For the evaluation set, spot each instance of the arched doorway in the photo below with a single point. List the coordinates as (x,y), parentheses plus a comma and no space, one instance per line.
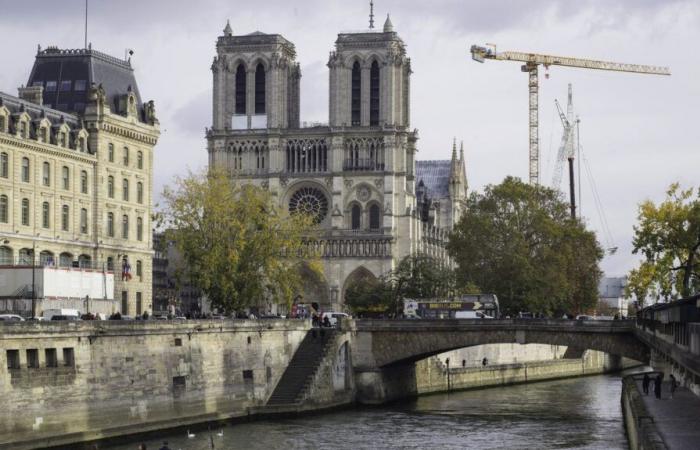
(314,288)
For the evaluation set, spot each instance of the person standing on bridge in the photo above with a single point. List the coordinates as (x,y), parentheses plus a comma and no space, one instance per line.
(645,384)
(657,386)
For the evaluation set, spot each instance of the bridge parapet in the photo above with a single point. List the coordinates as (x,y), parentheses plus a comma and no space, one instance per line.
(561,325)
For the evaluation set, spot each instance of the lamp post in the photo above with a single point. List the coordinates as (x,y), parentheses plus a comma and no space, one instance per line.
(33,279)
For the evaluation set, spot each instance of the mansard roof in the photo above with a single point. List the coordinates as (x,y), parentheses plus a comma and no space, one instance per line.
(74,71)
(16,106)
(435,176)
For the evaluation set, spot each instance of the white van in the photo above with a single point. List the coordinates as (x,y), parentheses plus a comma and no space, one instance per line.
(471,315)
(333,317)
(67,312)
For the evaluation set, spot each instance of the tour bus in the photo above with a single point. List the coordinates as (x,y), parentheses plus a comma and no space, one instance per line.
(476,306)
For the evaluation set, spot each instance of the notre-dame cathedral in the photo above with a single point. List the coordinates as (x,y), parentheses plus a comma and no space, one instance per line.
(357,175)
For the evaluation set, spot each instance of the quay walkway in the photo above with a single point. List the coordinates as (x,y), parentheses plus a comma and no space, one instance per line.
(677,419)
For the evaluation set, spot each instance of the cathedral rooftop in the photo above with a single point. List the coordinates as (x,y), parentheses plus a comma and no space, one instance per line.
(435,175)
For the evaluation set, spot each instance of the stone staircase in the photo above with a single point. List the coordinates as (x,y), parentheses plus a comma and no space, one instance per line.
(299,374)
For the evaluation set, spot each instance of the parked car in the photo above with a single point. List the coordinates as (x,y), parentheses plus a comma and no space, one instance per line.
(64,317)
(471,315)
(49,313)
(333,317)
(11,318)
(584,317)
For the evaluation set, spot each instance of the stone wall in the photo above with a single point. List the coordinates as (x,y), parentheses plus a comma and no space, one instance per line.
(432,373)
(114,378)
(639,425)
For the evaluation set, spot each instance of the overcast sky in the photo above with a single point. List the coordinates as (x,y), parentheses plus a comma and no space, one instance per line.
(639,133)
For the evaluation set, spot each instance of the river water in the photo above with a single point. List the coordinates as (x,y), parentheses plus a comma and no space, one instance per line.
(579,413)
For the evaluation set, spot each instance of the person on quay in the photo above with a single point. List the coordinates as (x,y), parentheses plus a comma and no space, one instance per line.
(674,384)
(657,386)
(645,384)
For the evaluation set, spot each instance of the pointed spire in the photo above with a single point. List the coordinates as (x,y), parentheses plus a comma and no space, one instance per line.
(388,26)
(461,151)
(371,14)
(454,149)
(228,31)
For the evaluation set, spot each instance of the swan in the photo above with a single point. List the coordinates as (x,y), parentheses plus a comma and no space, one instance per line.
(190,435)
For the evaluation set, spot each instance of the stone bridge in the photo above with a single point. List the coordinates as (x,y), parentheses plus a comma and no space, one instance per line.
(385,351)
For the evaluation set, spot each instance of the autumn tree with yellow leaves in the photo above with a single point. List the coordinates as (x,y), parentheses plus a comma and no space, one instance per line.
(237,245)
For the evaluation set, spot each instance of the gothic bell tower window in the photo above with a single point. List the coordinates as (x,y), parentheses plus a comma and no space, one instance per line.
(310,201)
(374,94)
(355,104)
(260,89)
(240,89)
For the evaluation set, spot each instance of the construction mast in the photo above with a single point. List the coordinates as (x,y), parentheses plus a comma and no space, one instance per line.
(532,62)
(567,149)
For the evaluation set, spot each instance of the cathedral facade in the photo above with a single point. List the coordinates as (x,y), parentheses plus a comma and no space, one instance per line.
(358,176)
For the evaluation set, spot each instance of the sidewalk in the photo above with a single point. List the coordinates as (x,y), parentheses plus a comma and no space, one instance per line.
(677,419)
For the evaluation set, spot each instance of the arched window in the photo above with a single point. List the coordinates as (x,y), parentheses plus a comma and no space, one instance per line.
(5,256)
(374,217)
(65,176)
(356,217)
(374,94)
(240,89)
(25,211)
(356,92)
(110,186)
(110,224)
(25,170)
(125,190)
(45,215)
(65,218)
(139,228)
(4,165)
(3,209)
(84,261)
(139,160)
(139,192)
(46,174)
(26,256)
(110,152)
(126,156)
(83,182)
(110,263)
(65,259)
(83,221)
(46,258)
(125,226)
(260,89)
(139,270)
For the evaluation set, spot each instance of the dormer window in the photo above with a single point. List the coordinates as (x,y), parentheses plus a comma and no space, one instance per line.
(2,124)
(43,134)
(62,139)
(23,129)
(81,144)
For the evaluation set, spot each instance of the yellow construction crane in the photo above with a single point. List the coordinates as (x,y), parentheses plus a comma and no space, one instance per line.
(532,61)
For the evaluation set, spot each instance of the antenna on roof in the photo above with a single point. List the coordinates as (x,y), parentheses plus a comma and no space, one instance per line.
(86,20)
(371,14)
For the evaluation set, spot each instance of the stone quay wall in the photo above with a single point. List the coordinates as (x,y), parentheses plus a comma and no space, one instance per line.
(642,432)
(432,373)
(65,382)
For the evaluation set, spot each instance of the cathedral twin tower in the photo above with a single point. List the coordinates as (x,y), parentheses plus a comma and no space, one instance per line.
(357,175)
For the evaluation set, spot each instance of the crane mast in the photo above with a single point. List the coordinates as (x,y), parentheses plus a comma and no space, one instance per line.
(532,62)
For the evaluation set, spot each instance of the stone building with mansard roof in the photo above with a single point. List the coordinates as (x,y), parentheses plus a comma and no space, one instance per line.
(76,172)
(358,174)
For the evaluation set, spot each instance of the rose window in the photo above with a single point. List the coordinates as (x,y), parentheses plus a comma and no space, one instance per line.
(310,201)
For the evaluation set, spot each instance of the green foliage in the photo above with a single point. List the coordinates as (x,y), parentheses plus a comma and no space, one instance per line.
(417,276)
(519,242)
(236,245)
(668,237)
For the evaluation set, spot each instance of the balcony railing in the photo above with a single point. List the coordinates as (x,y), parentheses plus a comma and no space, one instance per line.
(362,165)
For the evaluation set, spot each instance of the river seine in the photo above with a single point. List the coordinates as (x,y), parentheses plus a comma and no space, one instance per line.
(579,413)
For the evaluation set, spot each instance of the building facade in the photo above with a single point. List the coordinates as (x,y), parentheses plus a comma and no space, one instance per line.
(76,171)
(357,175)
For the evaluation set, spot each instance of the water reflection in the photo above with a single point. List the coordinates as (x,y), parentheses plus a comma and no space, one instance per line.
(582,413)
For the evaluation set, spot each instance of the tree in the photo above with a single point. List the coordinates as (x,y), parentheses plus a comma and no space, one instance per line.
(236,244)
(416,276)
(668,237)
(519,242)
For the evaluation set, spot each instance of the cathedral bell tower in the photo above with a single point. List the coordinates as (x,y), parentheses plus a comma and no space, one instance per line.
(256,82)
(369,79)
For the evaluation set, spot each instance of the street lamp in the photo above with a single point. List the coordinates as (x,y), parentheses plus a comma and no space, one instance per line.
(33,279)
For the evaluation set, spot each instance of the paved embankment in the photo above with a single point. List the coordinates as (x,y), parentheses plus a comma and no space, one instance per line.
(666,423)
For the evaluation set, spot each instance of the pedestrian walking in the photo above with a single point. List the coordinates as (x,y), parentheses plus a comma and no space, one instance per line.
(645,384)
(657,386)
(674,384)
